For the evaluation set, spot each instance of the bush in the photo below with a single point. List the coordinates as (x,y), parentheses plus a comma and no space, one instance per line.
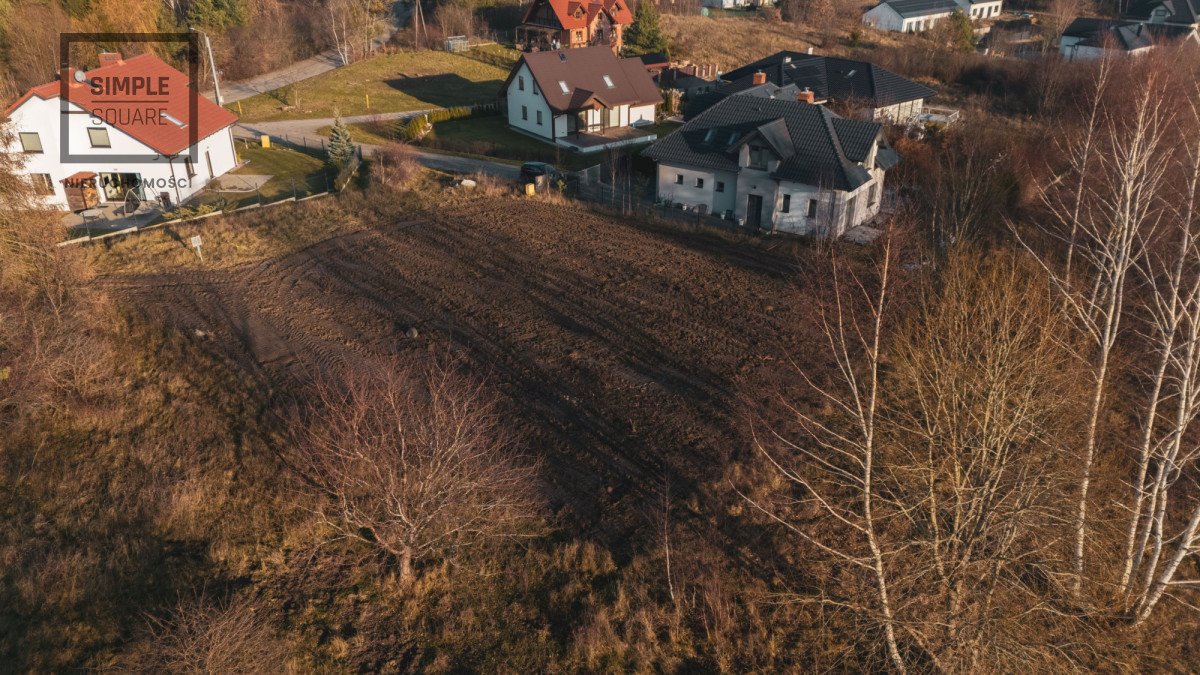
(394,165)
(416,127)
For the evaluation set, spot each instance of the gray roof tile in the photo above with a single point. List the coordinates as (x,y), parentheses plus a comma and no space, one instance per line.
(816,146)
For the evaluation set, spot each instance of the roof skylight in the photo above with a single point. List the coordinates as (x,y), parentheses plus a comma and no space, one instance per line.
(608,82)
(562,84)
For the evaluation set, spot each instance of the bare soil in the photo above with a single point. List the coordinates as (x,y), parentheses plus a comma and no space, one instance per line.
(626,350)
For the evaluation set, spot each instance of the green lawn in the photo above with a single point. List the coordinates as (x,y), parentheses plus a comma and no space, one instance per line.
(394,82)
(289,170)
(487,136)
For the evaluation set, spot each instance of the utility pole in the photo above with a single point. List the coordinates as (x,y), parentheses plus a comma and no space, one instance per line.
(212,65)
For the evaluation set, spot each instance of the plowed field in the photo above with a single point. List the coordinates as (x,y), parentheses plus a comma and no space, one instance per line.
(623,351)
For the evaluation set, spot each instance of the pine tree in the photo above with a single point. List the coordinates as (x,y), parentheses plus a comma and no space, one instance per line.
(645,35)
(341,147)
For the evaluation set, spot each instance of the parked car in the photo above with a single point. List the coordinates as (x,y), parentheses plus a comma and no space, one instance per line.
(540,174)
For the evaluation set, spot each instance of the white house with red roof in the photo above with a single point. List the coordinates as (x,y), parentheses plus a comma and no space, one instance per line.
(568,24)
(128,126)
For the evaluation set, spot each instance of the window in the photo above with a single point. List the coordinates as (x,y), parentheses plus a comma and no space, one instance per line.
(30,141)
(608,82)
(873,194)
(679,179)
(539,117)
(99,137)
(699,182)
(520,83)
(563,86)
(787,204)
(758,157)
(524,113)
(812,208)
(191,168)
(720,186)
(42,183)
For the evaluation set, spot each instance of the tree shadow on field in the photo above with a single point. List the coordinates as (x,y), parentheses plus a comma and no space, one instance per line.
(446,90)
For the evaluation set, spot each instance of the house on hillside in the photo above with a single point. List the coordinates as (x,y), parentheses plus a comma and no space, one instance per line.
(1165,12)
(775,164)
(571,24)
(872,92)
(586,99)
(1088,38)
(117,142)
(916,16)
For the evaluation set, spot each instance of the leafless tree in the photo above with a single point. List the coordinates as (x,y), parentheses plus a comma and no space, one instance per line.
(938,479)
(1108,206)
(413,462)
(1155,545)
(351,25)
(201,636)
(846,450)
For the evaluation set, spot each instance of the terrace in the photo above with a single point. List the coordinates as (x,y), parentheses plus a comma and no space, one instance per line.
(602,139)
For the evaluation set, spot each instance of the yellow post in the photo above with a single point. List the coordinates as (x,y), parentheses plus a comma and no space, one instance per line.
(239,108)
(266,140)
(368,101)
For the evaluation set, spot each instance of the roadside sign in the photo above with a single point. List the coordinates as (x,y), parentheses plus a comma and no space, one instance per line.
(196,243)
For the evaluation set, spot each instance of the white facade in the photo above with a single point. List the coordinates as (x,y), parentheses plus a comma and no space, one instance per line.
(528,111)
(215,156)
(899,113)
(784,206)
(884,17)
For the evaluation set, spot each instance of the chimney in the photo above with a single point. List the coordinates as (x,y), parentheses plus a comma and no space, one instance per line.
(806,96)
(109,58)
(759,78)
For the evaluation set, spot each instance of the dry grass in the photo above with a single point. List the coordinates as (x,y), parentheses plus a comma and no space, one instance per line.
(734,42)
(228,240)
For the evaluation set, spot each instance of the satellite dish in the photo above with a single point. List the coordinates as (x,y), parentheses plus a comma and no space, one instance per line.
(80,76)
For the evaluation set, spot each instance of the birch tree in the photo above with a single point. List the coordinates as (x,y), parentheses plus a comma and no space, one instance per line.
(843,451)
(939,480)
(1166,452)
(1108,204)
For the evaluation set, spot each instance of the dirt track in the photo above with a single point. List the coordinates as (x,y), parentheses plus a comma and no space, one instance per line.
(622,350)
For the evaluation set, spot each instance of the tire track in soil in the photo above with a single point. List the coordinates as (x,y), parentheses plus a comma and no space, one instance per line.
(620,351)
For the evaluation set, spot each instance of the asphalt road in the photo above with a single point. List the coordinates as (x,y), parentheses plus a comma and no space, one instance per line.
(295,130)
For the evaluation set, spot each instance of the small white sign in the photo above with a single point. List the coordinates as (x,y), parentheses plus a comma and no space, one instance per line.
(196,242)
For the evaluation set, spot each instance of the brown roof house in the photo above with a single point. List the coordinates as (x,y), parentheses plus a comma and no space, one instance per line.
(584,99)
(570,24)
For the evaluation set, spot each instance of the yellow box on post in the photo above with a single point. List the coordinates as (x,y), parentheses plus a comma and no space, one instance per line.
(266,140)
(530,189)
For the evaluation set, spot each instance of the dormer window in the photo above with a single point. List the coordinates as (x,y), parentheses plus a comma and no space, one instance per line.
(759,156)
(608,82)
(563,85)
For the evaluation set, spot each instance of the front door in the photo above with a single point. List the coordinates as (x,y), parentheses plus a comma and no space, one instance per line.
(614,117)
(116,185)
(754,210)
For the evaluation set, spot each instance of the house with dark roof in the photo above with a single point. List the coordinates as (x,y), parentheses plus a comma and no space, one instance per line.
(1090,38)
(1165,12)
(916,16)
(775,164)
(873,92)
(586,99)
(126,126)
(570,24)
